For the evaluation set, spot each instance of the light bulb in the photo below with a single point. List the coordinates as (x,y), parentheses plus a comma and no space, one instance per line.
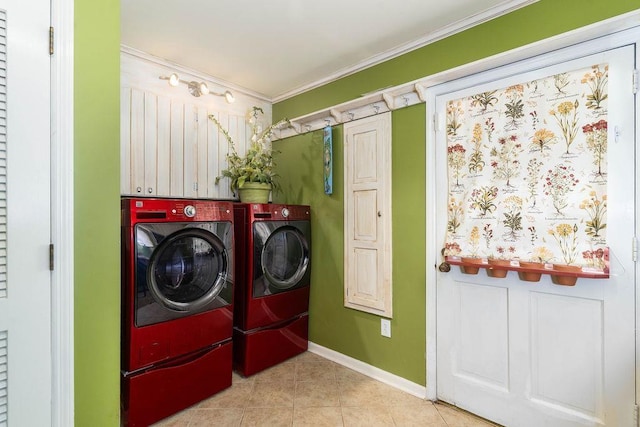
(174,80)
(204,89)
(229,97)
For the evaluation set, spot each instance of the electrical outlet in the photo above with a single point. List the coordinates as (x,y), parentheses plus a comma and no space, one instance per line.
(385,328)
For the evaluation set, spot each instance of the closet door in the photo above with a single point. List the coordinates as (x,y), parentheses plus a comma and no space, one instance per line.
(25,220)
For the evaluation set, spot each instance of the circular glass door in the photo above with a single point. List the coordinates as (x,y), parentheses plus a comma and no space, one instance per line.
(187,270)
(285,258)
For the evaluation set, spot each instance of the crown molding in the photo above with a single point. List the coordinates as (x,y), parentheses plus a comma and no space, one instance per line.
(181,69)
(414,92)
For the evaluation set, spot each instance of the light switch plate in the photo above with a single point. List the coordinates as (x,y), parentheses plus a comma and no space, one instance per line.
(385,328)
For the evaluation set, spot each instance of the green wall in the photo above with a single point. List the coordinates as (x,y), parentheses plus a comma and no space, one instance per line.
(97,212)
(97,220)
(348,331)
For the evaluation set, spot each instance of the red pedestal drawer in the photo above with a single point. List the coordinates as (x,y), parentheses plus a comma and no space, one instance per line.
(161,391)
(262,348)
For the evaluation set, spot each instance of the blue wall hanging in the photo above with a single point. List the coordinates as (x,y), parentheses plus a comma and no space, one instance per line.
(328,161)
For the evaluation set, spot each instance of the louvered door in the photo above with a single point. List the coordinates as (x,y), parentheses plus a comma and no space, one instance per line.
(25,225)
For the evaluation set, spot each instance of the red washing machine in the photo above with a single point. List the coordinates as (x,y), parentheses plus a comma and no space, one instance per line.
(273,269)
(177,312)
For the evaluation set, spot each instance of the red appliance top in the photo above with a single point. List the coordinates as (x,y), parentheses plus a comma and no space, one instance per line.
(277,212)
(137,210)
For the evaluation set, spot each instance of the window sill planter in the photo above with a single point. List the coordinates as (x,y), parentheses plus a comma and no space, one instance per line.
(561,274)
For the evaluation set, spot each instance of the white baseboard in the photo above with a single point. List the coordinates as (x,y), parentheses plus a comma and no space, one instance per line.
(370,371)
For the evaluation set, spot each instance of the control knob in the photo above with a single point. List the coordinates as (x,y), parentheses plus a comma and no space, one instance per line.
(190,211)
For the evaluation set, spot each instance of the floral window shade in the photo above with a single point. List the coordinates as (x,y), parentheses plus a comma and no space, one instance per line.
(527,170)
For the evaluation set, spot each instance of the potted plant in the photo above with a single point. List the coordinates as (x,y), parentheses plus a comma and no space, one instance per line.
(252,175)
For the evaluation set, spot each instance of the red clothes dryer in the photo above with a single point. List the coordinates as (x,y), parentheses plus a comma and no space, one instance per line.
(177,312)
(273,270)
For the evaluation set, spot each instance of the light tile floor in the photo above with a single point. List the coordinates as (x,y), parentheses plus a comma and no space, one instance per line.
(309,390)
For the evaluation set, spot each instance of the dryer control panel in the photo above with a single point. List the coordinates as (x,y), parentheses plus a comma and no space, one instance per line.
(271,211)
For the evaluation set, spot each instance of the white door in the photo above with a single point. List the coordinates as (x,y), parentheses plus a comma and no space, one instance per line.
(367,216)
(25,309)
(535,353)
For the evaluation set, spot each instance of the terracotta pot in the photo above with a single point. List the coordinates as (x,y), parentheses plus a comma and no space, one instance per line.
(565,280)
(494,269)
(497,272)
(469,269)
(530,276)
(471,265)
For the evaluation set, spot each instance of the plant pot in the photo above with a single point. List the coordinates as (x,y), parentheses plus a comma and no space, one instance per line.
(530,276)
(473,265)
(254,192)
(565,280)
(495,269)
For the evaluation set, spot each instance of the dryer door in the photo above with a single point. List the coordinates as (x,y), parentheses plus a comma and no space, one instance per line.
(187,271)
(282,257)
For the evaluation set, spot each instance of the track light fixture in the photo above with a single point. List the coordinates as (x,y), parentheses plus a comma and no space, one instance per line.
(197,89)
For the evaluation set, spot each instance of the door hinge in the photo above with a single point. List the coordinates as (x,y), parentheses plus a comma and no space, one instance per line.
(436,122)
(635,415)
(50,40)
(634,248)
(635,81)
(51,256)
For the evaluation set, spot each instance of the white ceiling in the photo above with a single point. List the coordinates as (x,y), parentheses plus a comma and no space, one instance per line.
(277,48)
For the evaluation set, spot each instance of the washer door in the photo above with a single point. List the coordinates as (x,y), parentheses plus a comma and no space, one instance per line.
(186,273)
(283,259)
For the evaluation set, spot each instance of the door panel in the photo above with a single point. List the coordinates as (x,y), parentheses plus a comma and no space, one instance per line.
(483,339)
(536,353)
(25,205)
(566,353)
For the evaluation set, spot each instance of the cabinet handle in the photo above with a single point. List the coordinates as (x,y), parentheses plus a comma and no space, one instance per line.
(139,189)
(150,190)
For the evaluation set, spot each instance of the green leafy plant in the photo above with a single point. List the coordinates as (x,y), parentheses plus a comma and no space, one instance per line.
(257,164)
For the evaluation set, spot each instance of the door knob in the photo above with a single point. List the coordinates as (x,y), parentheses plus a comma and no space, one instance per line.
(444,267)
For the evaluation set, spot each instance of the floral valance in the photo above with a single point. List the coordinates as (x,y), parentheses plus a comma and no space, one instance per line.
(527,170)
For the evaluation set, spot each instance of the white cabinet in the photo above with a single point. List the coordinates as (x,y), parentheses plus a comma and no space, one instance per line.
(367,216)
(171,149)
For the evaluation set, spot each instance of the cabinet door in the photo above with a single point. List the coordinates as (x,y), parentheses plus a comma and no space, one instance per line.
(190,165)
(136,165)
(138,144)
(367,150)
(176,176)
(163,157)
(149,164)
